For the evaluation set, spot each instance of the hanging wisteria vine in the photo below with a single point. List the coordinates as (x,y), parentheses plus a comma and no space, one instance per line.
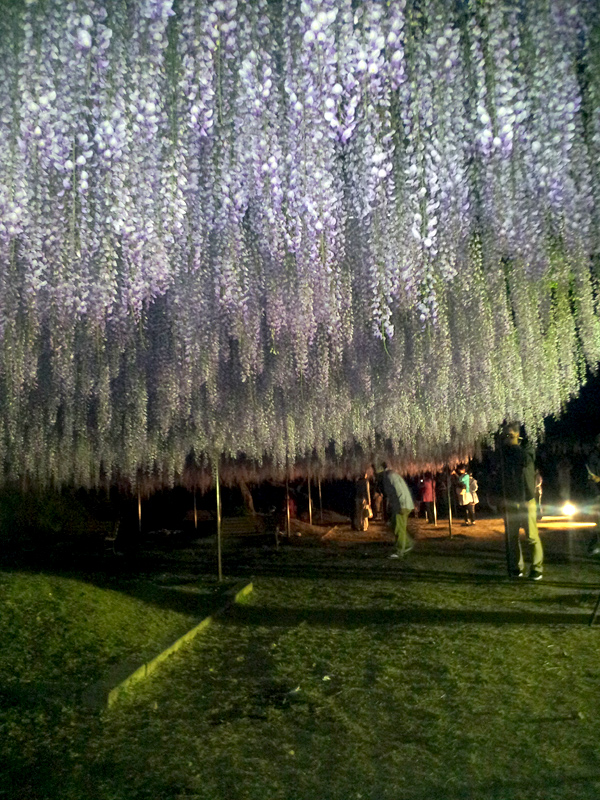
(286,229)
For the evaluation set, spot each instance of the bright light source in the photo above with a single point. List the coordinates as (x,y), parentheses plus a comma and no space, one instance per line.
(569,509)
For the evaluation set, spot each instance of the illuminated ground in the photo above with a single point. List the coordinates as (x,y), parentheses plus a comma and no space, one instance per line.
(477,551)
(350,676)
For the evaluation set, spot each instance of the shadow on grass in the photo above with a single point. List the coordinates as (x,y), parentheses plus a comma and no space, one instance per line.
(176,599)
(571,599)
(396,571)
(270,616)
(180,599)
(176,594)
(167,591)
(587,787)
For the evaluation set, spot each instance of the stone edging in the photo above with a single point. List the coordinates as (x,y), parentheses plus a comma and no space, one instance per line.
(106,692)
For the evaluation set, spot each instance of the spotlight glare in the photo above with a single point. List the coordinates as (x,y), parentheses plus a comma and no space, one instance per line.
(569,509)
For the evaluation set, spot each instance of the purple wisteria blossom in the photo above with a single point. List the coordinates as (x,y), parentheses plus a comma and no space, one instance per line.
(288,229)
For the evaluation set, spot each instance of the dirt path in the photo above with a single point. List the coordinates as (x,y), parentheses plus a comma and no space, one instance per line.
(474,553)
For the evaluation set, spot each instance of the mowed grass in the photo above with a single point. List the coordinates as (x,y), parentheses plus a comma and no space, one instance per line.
(353,689)
(57,636)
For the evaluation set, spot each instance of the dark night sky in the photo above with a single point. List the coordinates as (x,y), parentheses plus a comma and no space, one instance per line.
(581,421)
(570,438)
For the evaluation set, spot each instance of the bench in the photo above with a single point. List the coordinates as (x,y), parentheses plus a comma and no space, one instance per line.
(242,526)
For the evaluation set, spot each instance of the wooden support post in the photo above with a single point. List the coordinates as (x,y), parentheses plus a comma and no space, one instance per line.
(320,500)
(434,486)
(449,504)
(139,510)
(195,513)
(287,508)
(505,512)
(309,502)
(218,487)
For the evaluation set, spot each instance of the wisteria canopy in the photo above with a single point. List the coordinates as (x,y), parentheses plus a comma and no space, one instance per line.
(289,229)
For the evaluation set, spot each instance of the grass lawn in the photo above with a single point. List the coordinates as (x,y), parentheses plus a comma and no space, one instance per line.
(58,635)
(349,689)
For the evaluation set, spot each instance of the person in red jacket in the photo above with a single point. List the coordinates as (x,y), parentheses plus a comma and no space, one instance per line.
(428,496)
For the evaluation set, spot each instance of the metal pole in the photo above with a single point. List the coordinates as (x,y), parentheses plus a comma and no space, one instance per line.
(218,487)
(309,502)
(320,499)
(287,507)
(195,513)
(505,505)
(449,506)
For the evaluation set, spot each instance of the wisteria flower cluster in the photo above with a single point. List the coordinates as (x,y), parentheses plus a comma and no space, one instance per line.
(295,232)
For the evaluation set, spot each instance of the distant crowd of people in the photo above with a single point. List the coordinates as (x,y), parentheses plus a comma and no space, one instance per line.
(383,494)
(391,499)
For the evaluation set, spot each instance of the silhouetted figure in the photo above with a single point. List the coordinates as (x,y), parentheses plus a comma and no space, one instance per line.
(362,505)
(518,478)
(377,504)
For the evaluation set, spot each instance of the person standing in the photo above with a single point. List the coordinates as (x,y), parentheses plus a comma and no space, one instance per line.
(400,505)
(362,503)
(474,488)
(377,505)
(464,496)
(428,496)
(539,491)
(518,478)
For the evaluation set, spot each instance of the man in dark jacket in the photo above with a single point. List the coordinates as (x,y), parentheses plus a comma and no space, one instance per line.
(518,477)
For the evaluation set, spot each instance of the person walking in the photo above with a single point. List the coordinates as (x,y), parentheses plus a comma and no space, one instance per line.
(518,478)
(400,505)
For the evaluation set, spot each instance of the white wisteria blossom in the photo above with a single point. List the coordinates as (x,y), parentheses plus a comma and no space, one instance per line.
(292,233)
